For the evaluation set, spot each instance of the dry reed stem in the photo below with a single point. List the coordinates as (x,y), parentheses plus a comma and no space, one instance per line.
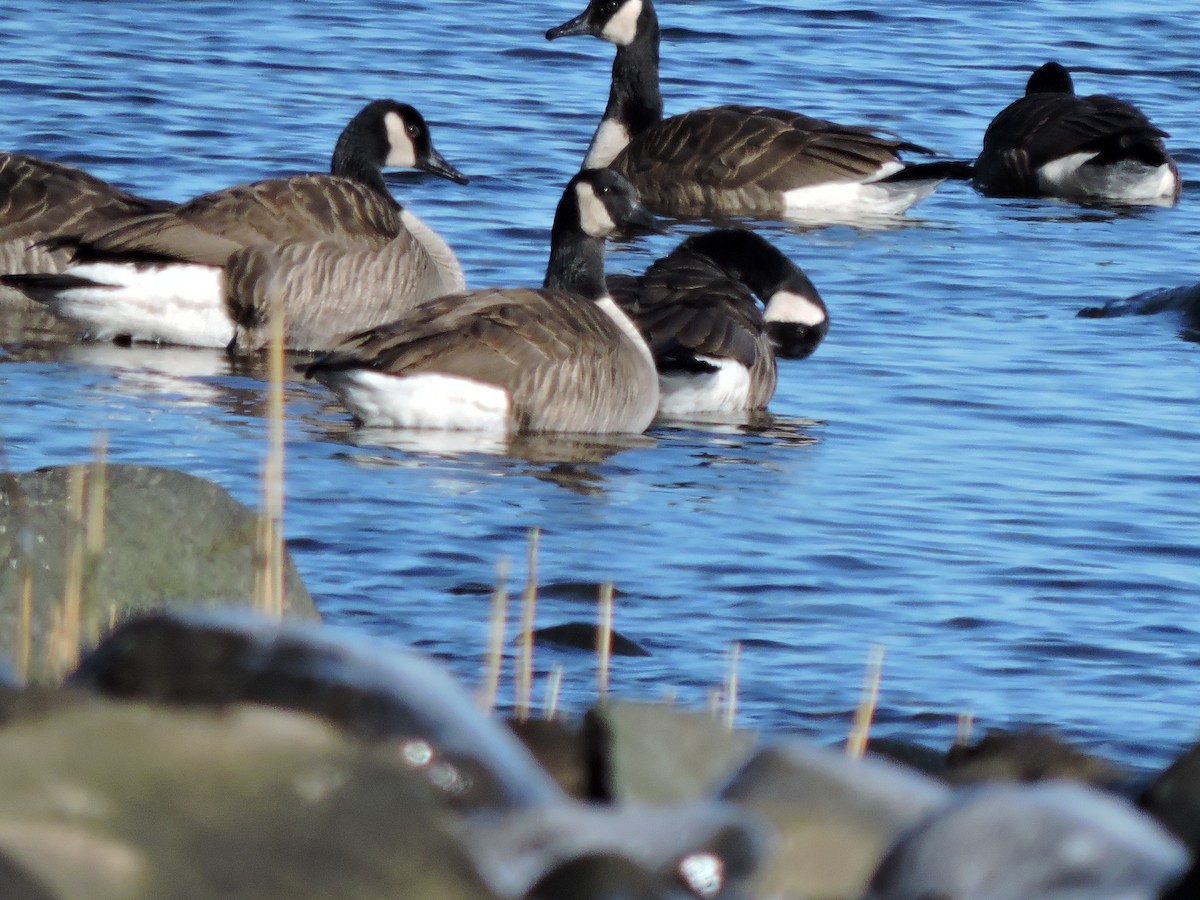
(97,496)
(962,732)
(860,730)
(553,688)
(493,659)
(269,589)
(25,621)
(731,683)
(604,640)
(63,642)
(523,682)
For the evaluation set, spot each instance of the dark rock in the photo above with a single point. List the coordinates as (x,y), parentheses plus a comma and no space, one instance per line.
(915,756)
(656,753)
(1028,755)
(170,540)
(1054,840)
(584,636)
(1174,798)
(370,689)
(833,817)
(558,747)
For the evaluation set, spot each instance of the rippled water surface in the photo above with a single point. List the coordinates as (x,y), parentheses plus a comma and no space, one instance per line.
(1001,494)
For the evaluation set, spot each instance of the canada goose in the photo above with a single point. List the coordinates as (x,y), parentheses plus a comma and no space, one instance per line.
(563,358)
(339,250)
(736,159)
(1052,143)
(714,346)
(40,199)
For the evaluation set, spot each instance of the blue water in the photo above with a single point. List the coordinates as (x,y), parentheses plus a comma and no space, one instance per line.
(1001,494)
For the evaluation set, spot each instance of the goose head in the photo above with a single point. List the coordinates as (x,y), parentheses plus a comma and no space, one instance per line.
(387,133)
(620,22)
(1050,78)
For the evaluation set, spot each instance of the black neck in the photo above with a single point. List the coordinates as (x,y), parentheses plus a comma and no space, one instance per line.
(576,262)
(634,97)
(359,156)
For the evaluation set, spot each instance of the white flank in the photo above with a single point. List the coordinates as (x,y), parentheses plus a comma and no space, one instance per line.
(170,304)
(872,197)
(594,217)
(726,390)
(401,153)
(621,29)
(427,400)
(793,308)
(1126,181)
(611,138)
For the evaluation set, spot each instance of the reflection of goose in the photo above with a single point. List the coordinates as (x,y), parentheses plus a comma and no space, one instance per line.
(1182,302)
(338,249)
(1052,143)
(735,159)
(560,358)
(40,199)
(713,344)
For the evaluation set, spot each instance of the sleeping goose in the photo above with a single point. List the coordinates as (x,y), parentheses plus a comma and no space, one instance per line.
(40,199)
(563,358)
(712,343)
(736,160)
(340,251)
(1052,143)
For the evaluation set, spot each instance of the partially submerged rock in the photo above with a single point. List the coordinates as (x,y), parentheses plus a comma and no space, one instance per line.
(1174,798)
(833,817)
(1054,840)
(169,540)
(1028,755)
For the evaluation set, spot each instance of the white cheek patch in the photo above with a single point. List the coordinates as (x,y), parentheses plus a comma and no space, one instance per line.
(793,308)
(621,29)
(593,214)
(610,139)
(401,152)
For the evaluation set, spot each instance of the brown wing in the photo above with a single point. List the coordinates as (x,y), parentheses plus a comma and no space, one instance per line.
(40,199)
(212,226)
(1041,127)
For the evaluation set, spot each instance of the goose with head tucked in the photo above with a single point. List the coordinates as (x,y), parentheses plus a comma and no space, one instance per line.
(737,160)
(698,307)
(40,199)
(562,358)
(337,251)
(1053,143)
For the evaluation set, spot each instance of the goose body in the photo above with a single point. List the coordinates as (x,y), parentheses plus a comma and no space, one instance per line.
(699,309)
(562,358)
(337,250)
(40,199)
(1054,143)
(739,160)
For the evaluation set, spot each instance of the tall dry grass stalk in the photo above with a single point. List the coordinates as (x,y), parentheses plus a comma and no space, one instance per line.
(962,732)
(553,688)
(66,629)
(860,730)
(269,588)
(493,659)
(24,619)
(604,640)
(523,680)
(731,683)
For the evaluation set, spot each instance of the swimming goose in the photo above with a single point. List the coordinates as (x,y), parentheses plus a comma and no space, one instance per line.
(735,160)
(714,346)
(1052,143)
(563,358)
(340,251)
(40,199)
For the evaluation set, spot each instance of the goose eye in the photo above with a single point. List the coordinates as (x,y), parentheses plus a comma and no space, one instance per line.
(413,131)
(610,6)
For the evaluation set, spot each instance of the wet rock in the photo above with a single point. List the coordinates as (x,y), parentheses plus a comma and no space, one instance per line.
(370,689)
(584,636)
(1055,840)
(169,540)
(1174,798)
(833,818)
(558,746)
(1028,755)
(915,756)
(656,753)
(104,801)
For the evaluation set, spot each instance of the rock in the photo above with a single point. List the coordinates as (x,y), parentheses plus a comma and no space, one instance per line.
(833,817)
(370,689)
(169,540)
(1174,798)
(1028,755)
(585,636)
(104,801)
(657,753)
(558,747)
(1054,840)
